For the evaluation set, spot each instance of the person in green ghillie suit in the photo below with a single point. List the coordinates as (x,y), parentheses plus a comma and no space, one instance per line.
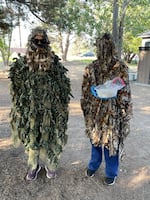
(40,91)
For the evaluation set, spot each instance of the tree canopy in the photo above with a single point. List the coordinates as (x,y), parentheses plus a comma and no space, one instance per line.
(91,17)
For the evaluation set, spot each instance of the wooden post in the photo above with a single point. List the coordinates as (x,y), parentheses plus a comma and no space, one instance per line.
(144,65)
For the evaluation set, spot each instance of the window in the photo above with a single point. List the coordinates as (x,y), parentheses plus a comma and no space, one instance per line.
(147,44)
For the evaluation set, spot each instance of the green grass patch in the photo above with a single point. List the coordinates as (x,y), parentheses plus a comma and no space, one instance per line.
(86,61)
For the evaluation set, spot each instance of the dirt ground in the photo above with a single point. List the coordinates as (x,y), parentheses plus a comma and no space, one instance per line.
(133,182)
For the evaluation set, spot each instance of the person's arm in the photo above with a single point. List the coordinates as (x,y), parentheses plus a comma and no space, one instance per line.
(85,92)
(125,94)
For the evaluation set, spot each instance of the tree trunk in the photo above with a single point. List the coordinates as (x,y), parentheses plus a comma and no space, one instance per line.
(115,21)
(9,43)
(64,49)
(4,58)
(118,29)
(60,43)
(5,49)
(121,26)
(64,57)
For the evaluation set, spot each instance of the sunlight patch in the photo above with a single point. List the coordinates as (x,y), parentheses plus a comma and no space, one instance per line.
(5,143)
(75,109)
(76,162)
(141,176)
(146,109)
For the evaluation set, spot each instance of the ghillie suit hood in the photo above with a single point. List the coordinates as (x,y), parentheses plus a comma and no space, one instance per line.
(106,121)
(40,91)
(39,53)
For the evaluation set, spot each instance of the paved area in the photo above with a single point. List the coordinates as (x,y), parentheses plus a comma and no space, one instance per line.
(133,182)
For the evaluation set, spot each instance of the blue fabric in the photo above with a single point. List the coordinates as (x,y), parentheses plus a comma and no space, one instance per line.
(111,162)
(96,158)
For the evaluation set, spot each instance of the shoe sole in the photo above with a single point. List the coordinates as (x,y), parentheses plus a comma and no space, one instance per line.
(49,177)
(88,175)
(30,179)
(110,183)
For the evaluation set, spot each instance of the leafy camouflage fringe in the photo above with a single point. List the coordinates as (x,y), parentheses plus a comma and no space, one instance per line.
(106,121)
(39,111)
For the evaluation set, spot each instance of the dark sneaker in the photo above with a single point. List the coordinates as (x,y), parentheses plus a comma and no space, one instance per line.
(32,174)
(50,174)
(90,173)
(109,181)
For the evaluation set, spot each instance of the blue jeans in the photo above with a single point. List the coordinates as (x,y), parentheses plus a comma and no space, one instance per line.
(111,162)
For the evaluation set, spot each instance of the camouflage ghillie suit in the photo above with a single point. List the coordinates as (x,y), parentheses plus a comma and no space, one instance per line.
(106,121)
(40,93)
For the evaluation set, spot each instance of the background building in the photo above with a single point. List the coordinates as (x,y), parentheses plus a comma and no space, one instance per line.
(143,75)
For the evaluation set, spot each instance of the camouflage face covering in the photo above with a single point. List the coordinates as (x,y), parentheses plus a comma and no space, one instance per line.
(106,119)
(39,53)
(40,91)
(105,47)
(38,39)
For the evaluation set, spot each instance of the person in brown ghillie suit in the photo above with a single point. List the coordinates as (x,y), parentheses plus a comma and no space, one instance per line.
(106,107)
(40,91)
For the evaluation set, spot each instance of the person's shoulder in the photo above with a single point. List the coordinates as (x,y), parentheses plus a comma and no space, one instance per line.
(57,60)
(58,65)
(91,65)
(119,63)
(90,68)
(123,63)
(18,62)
